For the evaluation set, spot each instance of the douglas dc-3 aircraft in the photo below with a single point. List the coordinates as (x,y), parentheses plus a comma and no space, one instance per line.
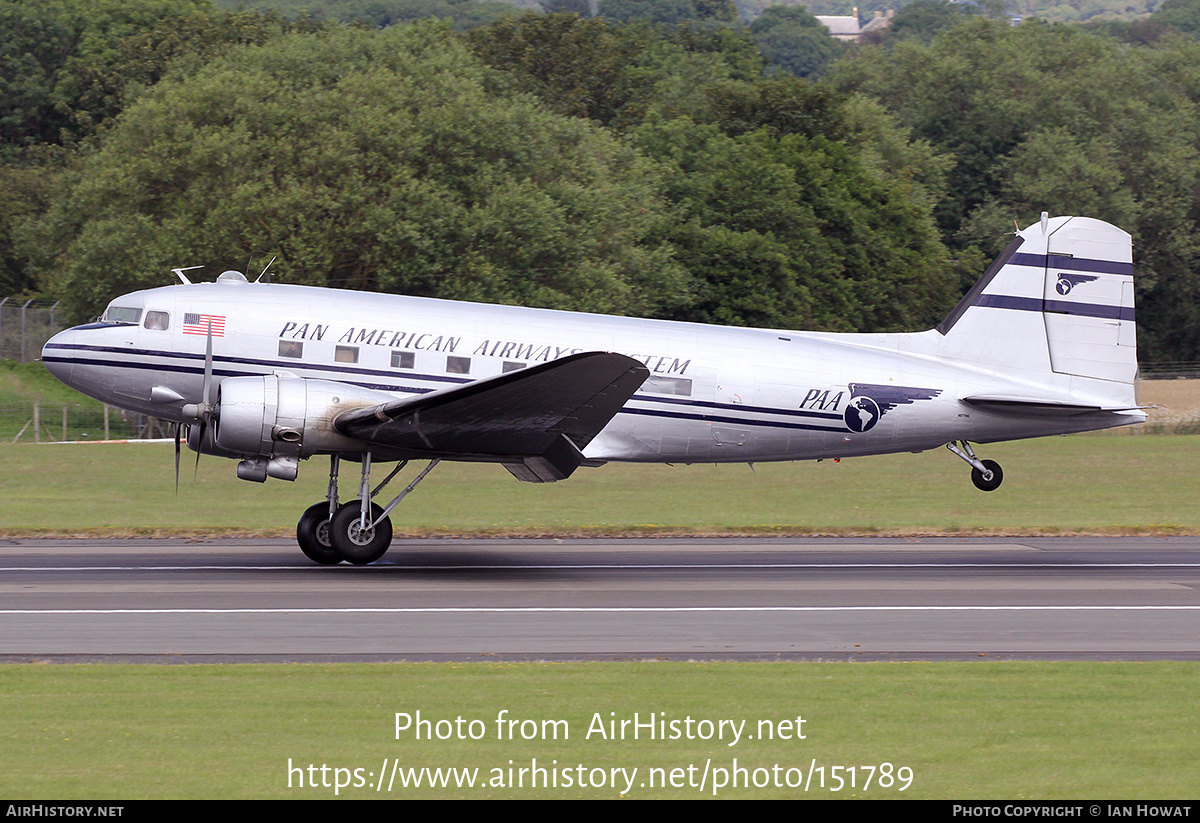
(272,374)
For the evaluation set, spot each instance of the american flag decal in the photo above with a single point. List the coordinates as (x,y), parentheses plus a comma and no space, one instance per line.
(198,324)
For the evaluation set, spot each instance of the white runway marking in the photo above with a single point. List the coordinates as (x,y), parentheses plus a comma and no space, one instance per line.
(595,609)
(601,566)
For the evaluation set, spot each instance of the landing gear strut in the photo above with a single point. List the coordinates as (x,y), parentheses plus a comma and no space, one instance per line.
(985,474)
(312,532)
(357,532)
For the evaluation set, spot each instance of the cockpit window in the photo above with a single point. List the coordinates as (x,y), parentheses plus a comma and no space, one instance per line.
(122,314)
(158,320)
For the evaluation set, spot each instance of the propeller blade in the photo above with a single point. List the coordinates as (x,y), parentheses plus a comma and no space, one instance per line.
(199,442)
(208,370)
(206,407)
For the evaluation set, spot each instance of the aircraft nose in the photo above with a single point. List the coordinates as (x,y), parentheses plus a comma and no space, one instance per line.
(57,355)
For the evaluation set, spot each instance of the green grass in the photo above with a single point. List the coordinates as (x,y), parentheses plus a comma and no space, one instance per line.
(1059,485)
(23,384)
(967,730)
(27,382)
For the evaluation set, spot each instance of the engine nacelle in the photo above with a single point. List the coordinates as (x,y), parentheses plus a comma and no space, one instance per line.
(272,422)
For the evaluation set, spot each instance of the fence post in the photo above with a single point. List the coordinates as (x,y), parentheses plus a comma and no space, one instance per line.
(64,437)
(23,308)
(37,423)
(106,421)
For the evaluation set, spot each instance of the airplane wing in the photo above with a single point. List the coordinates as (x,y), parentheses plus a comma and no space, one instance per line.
(535,421)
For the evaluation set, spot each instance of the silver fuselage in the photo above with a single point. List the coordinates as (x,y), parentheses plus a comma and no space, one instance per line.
(715,394)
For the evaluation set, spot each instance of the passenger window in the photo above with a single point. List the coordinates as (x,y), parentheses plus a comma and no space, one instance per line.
(345,354)
(458,365)
(403,360)
(667,385)
(511,366)
(291,348)
(158,320)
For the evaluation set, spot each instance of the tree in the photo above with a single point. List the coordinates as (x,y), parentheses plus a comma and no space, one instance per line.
(722,11)
(579,7)
(1183,15)
(798,208)
(1054,118)
(366,160)
(793,40)
(922,20)
(576,66)
(67,67)
(670,12)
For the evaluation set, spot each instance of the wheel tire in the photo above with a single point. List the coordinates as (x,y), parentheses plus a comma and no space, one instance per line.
(312,533)
(989,484)
(354,545)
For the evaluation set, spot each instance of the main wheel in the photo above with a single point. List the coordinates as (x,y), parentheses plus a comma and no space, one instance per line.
(354,543)
(312,533)
(991,480)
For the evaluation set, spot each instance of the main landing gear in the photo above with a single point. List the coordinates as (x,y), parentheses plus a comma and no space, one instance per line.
(357,532)
(985,474)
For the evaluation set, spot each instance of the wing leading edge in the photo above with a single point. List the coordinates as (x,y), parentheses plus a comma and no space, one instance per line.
(535,421)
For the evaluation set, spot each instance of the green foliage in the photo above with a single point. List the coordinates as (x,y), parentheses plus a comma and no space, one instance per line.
(72,64)
(577,67)
(464,14)
(723,11)
(394,160)
(922,20)
(25,190)
(793,40)
(67,67)
(1183,15)
(374,160)
(1054,118)
(800,215)
(579,7)
(794,207)
(34,46)
(670,12)
(613,73)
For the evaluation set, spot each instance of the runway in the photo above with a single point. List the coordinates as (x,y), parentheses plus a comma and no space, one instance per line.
(755,599)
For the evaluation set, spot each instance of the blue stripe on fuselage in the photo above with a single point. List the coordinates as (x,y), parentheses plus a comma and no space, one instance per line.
(195,365)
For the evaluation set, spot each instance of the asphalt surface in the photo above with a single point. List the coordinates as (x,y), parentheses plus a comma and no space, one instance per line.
(757,599)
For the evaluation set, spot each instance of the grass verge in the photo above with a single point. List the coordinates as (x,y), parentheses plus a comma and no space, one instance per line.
(966,730)
(1061,485)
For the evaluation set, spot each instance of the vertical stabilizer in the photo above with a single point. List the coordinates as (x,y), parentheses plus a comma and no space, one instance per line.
(1058,299)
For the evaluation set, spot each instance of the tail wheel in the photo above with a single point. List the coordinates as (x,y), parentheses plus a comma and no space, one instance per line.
(356,544)
(312,533)
(989,480)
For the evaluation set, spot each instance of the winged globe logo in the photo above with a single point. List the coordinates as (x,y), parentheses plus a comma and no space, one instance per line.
(862,413)
(1066,282)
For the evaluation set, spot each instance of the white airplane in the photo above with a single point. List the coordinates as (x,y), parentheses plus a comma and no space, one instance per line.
(272,374)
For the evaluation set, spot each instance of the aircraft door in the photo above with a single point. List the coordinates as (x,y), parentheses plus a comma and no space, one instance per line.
(735,386)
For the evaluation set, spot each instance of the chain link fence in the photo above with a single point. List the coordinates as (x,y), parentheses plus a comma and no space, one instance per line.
(38,422)
(25,326)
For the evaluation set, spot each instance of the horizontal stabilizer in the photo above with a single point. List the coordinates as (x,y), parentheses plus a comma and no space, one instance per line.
(523,415)
(1037,406)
